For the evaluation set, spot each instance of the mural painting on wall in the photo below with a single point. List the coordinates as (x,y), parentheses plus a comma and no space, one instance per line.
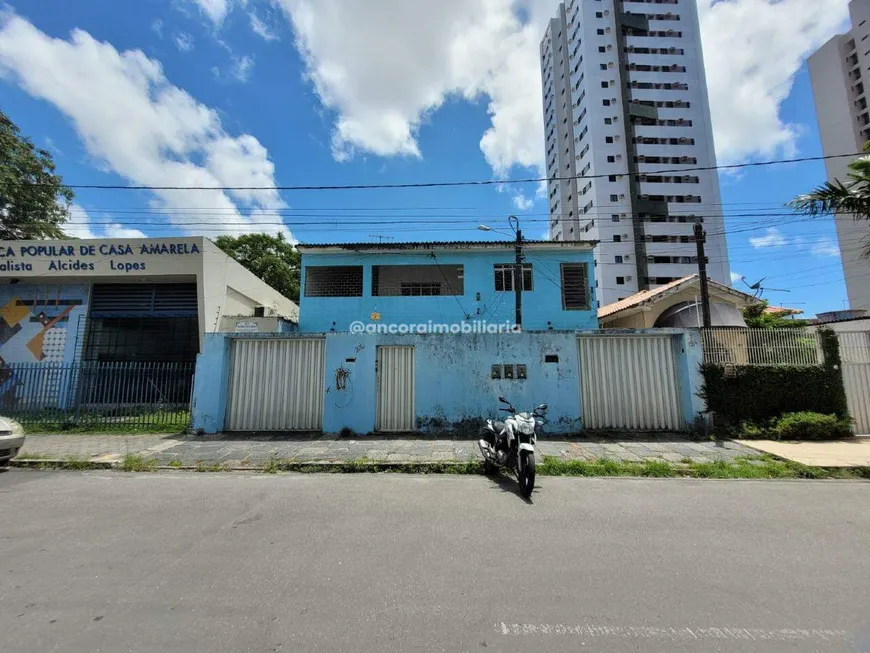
(38,324)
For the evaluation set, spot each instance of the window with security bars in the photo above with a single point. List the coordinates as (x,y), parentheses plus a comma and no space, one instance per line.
(504,277)
(417,280)
(334,281)
(575,286)
(414,289)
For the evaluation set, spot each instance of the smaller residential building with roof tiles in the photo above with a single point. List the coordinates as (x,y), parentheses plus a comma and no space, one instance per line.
(676,304)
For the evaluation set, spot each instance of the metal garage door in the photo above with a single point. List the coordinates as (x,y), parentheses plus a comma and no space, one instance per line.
(276,385)
(629,382)
(855,357)
(395,389)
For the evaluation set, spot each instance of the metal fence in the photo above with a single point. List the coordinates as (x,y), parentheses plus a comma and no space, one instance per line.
(744,346)
(98,395)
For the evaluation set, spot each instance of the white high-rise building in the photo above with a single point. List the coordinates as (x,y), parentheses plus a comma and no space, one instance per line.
(627,121)
(839,71)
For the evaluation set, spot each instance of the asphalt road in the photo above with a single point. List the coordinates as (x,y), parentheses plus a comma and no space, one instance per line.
(107,561)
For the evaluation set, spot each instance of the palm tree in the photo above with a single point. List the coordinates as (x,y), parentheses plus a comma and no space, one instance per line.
(851,197)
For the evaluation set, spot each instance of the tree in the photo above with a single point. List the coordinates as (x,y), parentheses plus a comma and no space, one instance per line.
(271,258)
(757,317)
(34,202)
(851,197)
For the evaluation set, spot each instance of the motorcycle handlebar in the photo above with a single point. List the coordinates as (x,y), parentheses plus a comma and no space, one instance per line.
(507,410)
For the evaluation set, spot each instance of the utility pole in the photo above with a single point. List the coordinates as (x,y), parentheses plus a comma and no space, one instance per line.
(518,272)
(700,239)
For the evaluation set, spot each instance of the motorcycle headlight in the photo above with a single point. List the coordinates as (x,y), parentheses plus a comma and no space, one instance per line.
(527,428)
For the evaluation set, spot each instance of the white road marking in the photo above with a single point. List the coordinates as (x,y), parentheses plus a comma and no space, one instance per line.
(676,633)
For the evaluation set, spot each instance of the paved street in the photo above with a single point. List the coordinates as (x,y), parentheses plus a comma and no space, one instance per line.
(255,451)
(107,561)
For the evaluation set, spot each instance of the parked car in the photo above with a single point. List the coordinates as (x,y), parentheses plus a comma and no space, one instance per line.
(11,440)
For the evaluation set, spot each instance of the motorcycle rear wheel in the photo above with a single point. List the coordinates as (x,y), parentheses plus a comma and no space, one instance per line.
(526,477)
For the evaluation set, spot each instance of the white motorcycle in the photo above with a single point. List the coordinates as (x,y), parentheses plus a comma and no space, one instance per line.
(511,444)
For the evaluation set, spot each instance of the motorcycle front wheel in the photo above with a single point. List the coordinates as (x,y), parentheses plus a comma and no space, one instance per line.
(526,476)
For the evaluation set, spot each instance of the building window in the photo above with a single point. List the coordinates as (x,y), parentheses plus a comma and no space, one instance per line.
(575,287)
(602,49)
(603,66)
(614,198)
(598,14)
(604,85)
(600,32)
(606,103)
(611,159)
(504,277)
(416,280)
(617,238)
(611,178)
(333,281)
(608,139)
(614,218)
(617,259)
(608,121)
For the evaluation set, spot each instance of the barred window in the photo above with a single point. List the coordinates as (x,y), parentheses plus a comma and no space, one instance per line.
(333,281)
(575,287)
(504,277)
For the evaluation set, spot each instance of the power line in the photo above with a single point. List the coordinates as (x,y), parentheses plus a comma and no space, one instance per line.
(446,184)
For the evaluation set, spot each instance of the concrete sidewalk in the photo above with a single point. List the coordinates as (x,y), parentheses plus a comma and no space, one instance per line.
(854,452)
(257,450)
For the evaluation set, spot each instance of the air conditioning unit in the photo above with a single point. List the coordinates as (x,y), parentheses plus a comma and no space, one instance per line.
(684,159)
(628,278)
(625,235)
(619,157)
(622,196)
(627,257)
(622,215)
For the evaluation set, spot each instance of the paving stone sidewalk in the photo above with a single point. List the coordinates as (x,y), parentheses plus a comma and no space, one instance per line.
(255,451)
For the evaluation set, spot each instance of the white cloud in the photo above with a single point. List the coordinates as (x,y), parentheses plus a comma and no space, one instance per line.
(825,247)
(242,67)
(261,29)
(214,10)
(773,238)
(384,66)
(183,41)
(157,27)
(522,202)
(137,124)
(80,226)
(752,51)
(736,277)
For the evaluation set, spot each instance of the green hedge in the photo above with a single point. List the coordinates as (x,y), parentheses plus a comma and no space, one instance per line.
(759,393)
(796,426)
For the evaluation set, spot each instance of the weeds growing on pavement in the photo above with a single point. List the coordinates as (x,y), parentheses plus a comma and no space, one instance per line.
(136,463)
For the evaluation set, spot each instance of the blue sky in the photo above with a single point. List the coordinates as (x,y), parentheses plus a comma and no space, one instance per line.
(292,92)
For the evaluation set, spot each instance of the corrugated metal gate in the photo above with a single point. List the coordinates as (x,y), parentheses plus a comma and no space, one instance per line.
(395,389)
(855,357)
(629,382)
(276,385)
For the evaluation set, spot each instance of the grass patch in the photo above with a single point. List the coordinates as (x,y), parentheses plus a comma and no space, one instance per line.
(203,466)
(59,423)
(175,463)
(136,463)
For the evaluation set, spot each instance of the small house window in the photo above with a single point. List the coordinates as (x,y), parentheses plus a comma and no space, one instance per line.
(504,277)
(575,286)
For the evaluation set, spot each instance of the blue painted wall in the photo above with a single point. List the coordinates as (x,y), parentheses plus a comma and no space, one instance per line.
(210,383)
(452,380)
(542,306)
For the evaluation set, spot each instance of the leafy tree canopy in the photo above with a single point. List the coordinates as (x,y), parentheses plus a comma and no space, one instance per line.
(271,258)
(34,202)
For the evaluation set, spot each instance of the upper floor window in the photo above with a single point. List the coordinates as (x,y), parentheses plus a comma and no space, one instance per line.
(504,277)
(334,281)
(575,287)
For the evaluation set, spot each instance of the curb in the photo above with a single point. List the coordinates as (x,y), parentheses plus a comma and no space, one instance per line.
(61,463)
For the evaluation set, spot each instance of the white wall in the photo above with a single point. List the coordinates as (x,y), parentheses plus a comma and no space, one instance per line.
(227,288)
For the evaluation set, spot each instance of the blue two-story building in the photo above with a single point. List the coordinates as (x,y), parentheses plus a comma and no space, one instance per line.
(388,285)
(398,337)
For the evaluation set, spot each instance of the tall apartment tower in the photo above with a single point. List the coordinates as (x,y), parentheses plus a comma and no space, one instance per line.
(627,122)
(839,71)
